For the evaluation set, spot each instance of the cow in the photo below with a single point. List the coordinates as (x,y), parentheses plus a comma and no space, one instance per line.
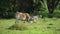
(23,16)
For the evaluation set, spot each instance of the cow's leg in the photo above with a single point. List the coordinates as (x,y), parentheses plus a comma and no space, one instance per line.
(32,20)
(17,21)
(17,18)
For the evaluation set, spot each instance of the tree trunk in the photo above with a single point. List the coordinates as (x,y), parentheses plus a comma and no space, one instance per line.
(51,6)
(14,6)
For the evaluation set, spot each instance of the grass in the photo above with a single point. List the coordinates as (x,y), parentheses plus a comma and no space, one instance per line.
(49,26)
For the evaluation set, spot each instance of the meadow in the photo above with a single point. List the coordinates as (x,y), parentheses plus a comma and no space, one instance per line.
(47,26)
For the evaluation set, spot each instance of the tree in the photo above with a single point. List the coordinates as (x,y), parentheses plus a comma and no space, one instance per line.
(51,6)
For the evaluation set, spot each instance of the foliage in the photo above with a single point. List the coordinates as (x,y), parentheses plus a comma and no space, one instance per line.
(35,7)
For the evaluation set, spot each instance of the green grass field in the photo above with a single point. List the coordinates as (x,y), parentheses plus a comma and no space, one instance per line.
(49,26)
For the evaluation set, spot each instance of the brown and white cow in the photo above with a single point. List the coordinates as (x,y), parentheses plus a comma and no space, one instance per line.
(24,17)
